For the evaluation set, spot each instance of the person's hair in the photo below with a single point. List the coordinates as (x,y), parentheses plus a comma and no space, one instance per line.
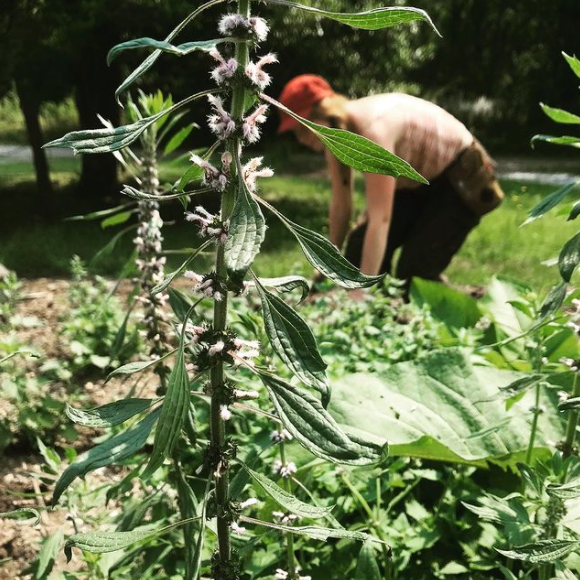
(333,110)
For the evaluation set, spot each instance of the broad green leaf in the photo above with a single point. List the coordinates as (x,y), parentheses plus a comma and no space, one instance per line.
(325,256)
(367,567)
(430,408)
(105,542)
(285,499)
(170,277)
(173,414)
(375,19)
(108,140)
(573,62)
(287,284)
(565,140)
(549,202)
(177,139)
(48,552)
(569,257)
(113,450)
(356,151)
(543,551)
(246,232)
(452,307)
(163,46)
(138,366)
(22,514)
(117,219)
(313,427)
(314,532)
(560,115)
(554,300)
(293,341)
(108,415)
(570,490)
(152,58)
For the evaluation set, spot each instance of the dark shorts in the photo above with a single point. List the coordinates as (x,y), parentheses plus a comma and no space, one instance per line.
(429,224)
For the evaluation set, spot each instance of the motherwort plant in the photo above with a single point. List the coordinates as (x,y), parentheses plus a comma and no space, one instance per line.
(211,361)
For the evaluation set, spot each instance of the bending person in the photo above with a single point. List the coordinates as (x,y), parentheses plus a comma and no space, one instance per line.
(428,222)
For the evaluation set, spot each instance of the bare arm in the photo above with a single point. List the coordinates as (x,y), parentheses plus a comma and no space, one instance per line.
(380,192)
(340,209)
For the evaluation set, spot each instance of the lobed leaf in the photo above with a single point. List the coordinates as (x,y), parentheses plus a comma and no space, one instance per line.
(246,232)
(543,551)
(163,46)
(152,58)
(293,342)
(325,256)
(569,257)
(108,415)
(354,150)
(285,499)
(111,451)
(375,19)
(560,115)
(314,428)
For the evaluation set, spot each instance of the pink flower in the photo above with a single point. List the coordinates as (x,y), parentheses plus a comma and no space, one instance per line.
(251,124)
(220,122)
(226,68)
(254,71)
(252,171)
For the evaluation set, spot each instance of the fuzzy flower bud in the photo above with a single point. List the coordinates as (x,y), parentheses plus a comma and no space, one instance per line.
(256,74)
(252,172)
(285,470)
(220,122)
(225,70)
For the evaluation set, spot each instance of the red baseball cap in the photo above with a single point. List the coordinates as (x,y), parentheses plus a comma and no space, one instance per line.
(300,95)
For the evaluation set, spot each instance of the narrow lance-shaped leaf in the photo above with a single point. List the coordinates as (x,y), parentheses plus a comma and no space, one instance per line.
(354,150)
(285,499)
(543,551)
(105,542)
(569,257)
(22,514)
(324,255)
(569,404)
(554,300)
(573,62)
(560,115)
(152,58)
(570,490)
(163,46)
(565,140)
(48,553)
(174,410)
(108,415)
(315,532)
(138,366)
(293,342)
(375,19)
(113,450)
(112,139)
(246,231)
(549,203)
(287,284)
(522,384)
(177,140)
(314,428)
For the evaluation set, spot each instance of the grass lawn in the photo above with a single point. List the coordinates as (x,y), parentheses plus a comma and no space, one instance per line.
(33,247)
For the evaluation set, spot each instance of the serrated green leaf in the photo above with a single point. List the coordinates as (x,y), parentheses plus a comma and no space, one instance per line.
(285,499)
(315,532)
(560,115)
(113,450)
(246,232)
(356,151)
(570,490)
(152,58)
(173,413)
(293,341)
(325,257)
(177,139)
(48,553)
(287,284)
(313,427)
(170,277)
(543,551)
(108,140)
(573,62)
(569,257)
(108,415)
(549,203)
(138,366)
(163,46)
(375,19)
(564,140)
(23,514)
(367,567)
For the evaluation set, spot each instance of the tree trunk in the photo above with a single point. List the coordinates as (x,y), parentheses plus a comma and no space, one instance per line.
(95,94)
(31,111)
